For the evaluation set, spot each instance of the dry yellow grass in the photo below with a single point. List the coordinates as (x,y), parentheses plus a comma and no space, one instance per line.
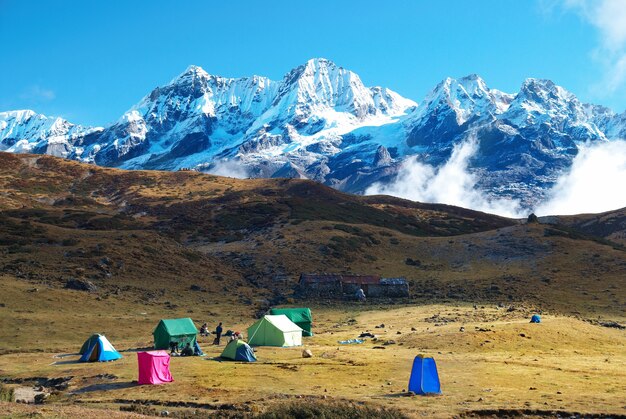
(561,364)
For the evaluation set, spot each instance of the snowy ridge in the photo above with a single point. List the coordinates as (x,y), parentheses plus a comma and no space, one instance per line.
(25,131)
(321,122)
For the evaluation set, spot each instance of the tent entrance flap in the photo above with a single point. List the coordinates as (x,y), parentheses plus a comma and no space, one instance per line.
(99,350)
(181,331)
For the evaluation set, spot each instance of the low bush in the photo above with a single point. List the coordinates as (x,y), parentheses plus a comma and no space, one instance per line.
(324,409)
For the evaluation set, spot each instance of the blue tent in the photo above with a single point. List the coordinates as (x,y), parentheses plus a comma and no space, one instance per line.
(424,378)
(238,350)
(99,349)
(535,318)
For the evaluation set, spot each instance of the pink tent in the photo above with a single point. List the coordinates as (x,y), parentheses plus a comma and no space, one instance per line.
(154,367)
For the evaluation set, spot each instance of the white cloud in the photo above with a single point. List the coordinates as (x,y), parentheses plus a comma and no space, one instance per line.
(451,184)
(228,168)
(609,18)
(596,182)
(37,94)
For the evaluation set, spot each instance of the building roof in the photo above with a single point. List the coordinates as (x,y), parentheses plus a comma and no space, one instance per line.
(393,281)
(360,279)
(311,278)
(351,279)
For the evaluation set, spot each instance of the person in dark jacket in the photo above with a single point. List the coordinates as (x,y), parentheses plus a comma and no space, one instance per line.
(187,350)
(218,334)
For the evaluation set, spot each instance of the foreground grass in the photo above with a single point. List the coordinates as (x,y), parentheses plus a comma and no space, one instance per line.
(499,362)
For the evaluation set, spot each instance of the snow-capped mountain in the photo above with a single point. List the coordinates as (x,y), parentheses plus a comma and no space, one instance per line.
(198,118)
(28,132)
(321,122)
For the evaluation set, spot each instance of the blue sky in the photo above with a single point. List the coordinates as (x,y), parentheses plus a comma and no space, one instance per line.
(90,61)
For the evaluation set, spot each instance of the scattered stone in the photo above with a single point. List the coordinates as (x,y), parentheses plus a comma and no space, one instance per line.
(367,335)
(390,342)
(41,397)
(380,326)
(106,376)
(413,329)
(532,388)
(195,287)
(532,218)
(80,285)
(412,262)
(307,353)
(462,329)
(522,335)
(165,413)
(398,332)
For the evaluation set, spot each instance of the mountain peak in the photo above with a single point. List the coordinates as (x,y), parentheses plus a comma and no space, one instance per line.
(314,68)
(544,90)
(193,72)
(318,62)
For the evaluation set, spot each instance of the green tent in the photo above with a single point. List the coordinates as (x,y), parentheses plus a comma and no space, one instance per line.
(88,343)
(182,331)
(238,350)
(274,331)
(300,316)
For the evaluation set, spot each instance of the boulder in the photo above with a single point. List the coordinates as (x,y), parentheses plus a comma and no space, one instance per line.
(80,285)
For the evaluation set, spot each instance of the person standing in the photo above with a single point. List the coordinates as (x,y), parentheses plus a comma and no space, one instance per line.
(218,334)
(360,295)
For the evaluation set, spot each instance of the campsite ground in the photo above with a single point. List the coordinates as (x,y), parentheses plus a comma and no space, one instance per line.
(499,364)
(146,245)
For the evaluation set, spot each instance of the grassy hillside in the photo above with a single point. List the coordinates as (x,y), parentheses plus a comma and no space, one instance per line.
(151,245)
(156,235)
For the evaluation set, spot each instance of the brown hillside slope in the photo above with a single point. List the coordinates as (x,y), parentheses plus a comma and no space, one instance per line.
(155,235)
(610,225)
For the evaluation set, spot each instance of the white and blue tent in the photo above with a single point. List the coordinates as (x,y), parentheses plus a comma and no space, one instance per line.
(99,349)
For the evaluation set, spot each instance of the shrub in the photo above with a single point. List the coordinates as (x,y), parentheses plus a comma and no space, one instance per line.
(324,409)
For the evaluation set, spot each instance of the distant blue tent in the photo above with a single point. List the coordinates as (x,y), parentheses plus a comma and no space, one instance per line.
(424,378)
(99,350)
(535,318)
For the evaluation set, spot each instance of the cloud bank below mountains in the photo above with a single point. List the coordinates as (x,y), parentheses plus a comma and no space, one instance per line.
(596,182)
(228,168)
(452,183)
